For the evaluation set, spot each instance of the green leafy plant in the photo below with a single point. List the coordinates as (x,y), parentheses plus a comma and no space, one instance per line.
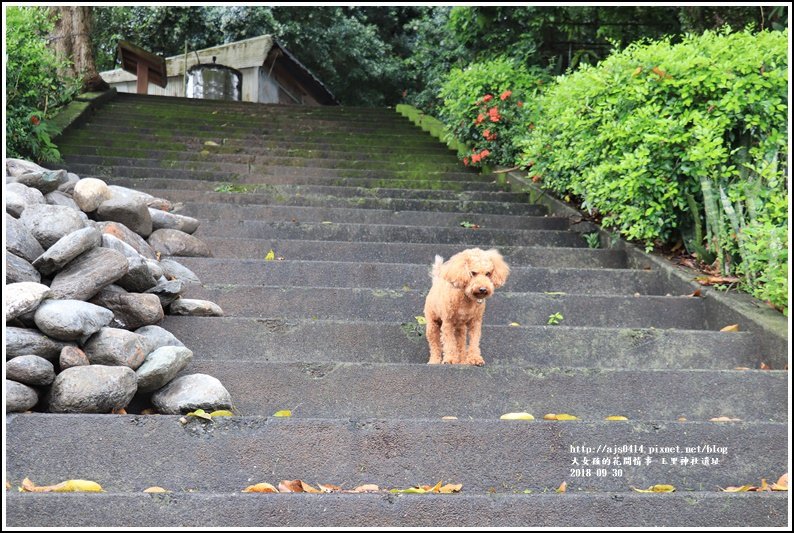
(555,319)
(593,239)
(34,89)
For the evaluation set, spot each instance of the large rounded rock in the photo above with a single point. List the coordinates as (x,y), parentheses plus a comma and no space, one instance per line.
(71,319)
(89,193)
(19,397)
(61,198)
(18,197)
(72,356)
(132,310)
(191,392)
(165,220)
(139,277)
(23,298)
(17,167)
(93,389)
(175,242)
(116,347)
(24,341)
(168,291)
(19,270)
(120,231)
(157,337)
(44,180)
(30,370)
(132,212)
(48,223)
(190,307)
(67,248)
(175,270)
(21,241)
(161,366)
(89,273)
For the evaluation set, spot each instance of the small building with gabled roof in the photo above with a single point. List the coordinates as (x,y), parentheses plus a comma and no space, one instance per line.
(270,73)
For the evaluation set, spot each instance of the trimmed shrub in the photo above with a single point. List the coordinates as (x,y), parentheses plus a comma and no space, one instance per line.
(677,141)
(486,105)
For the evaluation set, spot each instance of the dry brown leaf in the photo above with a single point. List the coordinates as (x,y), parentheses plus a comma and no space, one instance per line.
(295,485)
(260,487)
(724,419)
(696,294)
(449,488)
(563,487)
(656,488)
(155,490)
(327,487)
(70,485)
(367,488)
(764,487)
(149,411)
(682,419)
(765,366)
(782,483)
(121,411)
(435,488)
(743,488)
(732,327)
(308,488)
(716,280)
(8,485)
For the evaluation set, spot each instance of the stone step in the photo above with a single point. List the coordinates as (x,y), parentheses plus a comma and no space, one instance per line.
(399,275)
(347,199)
(334,231)
(345,391)
(235,509)
(251,183)
(223,211)
(301,340)
(231,178)
(256,164)
(238,154)
(503,456)
(390,305)
(413,253)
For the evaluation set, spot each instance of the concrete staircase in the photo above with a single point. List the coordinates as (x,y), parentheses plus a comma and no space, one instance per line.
(357,202)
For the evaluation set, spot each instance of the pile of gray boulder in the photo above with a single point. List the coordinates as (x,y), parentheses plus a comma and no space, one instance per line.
(88,278)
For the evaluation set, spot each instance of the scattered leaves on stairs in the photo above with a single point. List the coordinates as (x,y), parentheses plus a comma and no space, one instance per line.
(70,485)
(297,485)
(517,416)
(732,327)
(563,487)
(562,416)
(270,256)
(780,485)
(201,413)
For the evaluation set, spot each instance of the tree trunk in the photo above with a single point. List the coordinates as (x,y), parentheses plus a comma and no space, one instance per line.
(71,40)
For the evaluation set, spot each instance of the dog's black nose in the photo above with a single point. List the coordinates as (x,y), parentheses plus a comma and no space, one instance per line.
(483,290)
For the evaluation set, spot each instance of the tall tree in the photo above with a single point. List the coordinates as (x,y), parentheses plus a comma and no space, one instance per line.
(71,40)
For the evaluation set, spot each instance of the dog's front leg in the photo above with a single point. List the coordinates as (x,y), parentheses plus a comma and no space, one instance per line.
(473,356)
(433,333)
(450,343)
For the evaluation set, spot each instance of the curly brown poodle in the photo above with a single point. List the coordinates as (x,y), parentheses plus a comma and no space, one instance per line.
(456,303)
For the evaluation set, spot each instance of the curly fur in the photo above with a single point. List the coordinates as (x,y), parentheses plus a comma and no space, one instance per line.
(456,303)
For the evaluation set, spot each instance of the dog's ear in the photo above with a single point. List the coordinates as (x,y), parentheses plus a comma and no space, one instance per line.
(500,268)
(456,270)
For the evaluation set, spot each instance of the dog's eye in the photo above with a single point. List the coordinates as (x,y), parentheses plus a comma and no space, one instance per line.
(473,274)
(489,274)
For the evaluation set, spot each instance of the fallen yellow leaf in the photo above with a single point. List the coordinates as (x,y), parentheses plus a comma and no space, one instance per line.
(270,256)
(422,321)
(155,490)
(616,418)
(222,412)
(436,487)
(550,416)
(764,486)
(409,490)
(682,419)
(656,488)
(565,416)
(732,327)
(260,487)
(449,488)
(563,487)
(200,413)
(514,324)
(743,488)
(782,483)
(283,413)
(724,419)
(517,416)
(70,485)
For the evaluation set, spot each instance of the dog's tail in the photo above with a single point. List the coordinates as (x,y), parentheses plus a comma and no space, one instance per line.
(436,271)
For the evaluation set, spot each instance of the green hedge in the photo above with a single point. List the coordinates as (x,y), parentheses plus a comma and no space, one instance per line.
(486,105)
(679,141)
(33,88)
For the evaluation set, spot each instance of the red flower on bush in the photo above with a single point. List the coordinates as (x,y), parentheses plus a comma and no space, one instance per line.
(494,115)
(488,98)
(35,120)
(475,158)
(484,154)
(520,103)
(479,119)
(505,95)
(466,161)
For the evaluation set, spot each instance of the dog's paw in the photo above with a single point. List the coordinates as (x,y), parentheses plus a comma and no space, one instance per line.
(448,360)
(475,360)
(434,362)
